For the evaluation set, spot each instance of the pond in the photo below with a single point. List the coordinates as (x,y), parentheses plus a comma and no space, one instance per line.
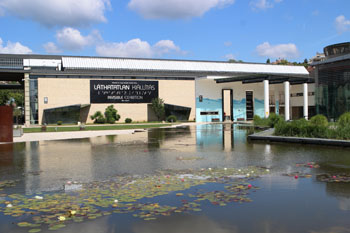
(205,178)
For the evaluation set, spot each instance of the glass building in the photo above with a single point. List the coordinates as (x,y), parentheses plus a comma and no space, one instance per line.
(333,81)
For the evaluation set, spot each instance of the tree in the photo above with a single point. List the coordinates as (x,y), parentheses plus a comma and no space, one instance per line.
(111,115)
(158,108)
(268,61)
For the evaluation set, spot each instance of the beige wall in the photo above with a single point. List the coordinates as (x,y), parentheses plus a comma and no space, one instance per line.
(64,92)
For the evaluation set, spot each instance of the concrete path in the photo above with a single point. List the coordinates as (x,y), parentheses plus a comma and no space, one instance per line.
(32,137)
(50,136)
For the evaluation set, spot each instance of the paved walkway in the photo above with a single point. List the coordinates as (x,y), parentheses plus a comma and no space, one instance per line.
(49,136)
(32,137)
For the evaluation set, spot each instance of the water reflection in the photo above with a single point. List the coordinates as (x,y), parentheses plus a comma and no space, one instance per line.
(184,223)
(47,166)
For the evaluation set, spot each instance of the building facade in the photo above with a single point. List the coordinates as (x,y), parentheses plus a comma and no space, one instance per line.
(71,89)
(332,78)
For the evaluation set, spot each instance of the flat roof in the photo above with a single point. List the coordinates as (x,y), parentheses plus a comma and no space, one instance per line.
(124,66)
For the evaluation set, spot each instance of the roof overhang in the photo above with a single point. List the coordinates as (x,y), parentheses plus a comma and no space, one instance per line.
(256,78)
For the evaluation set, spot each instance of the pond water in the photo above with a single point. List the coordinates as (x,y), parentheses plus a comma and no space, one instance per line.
(205,178)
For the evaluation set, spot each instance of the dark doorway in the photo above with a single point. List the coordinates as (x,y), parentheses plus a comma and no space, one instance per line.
(227,105)
(249,105)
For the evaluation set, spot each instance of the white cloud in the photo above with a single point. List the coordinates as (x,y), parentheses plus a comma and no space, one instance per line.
(51,47)
(71,39)
(228,43)
(175,9)
(342,24)
(230,57)
(278,51)
(138,48)
(14,48)
(58,12)
(263,4)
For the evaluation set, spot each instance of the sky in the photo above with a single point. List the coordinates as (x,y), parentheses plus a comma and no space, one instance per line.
(217,30)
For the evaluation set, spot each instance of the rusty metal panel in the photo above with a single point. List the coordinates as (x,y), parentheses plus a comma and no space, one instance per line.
(6,124)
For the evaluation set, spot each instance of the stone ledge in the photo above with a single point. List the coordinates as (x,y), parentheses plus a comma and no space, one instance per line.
(267,135)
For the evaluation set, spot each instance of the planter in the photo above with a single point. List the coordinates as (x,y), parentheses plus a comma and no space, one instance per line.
(18,132)
(6,124)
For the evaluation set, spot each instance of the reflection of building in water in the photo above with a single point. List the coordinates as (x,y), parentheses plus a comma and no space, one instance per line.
(50,164)
(217,135)
(180,139)
(342,192)
(184,223)
(228,137)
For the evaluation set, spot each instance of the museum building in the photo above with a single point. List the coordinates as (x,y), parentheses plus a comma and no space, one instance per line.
(332,77)
(71,89)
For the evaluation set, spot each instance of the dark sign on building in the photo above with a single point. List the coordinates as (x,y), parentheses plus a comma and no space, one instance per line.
(117,91)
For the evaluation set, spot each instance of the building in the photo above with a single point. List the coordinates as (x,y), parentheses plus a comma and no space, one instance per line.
(71,89)
(319,57)
(332,77)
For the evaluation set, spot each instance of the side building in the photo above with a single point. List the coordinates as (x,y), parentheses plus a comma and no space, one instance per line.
(71,89)
(332,77)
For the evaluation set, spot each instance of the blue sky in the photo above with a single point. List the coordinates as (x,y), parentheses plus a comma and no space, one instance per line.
(248,30)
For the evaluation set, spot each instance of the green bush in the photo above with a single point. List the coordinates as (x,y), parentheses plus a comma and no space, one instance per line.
(171,118)
(274,119)
(59,122)
(98,118)
(317,127)
(111,115)
(128,120)
(344,120)
(262,122)
(319,120)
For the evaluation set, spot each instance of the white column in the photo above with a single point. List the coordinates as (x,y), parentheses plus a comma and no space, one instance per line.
(286,101)
(26,100)
(266,98)
(306,101)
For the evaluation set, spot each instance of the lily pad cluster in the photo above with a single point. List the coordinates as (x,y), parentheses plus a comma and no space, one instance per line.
(132,194)
(308,165)
(7,183)
(344,178)
(297,175)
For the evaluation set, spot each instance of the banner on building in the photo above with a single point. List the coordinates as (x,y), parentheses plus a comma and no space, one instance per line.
(120,91)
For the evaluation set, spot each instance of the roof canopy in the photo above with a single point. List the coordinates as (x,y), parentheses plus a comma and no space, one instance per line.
(16,65)
(178,66)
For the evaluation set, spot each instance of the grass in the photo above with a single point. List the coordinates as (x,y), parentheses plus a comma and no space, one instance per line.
(92,128)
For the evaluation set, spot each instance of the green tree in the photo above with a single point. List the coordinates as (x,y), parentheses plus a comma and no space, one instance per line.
(268,61)
(158,108)
(111,114)
(17,95)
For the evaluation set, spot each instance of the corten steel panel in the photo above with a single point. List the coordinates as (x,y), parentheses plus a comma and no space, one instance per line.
(6,124)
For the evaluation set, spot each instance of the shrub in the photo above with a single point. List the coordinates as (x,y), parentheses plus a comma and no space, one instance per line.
(171,118)
(158,108)
(128,120)
(111,115)
(319,120)
(274,119)
(344,120)
(59,122)
(262,122)
(98,118)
